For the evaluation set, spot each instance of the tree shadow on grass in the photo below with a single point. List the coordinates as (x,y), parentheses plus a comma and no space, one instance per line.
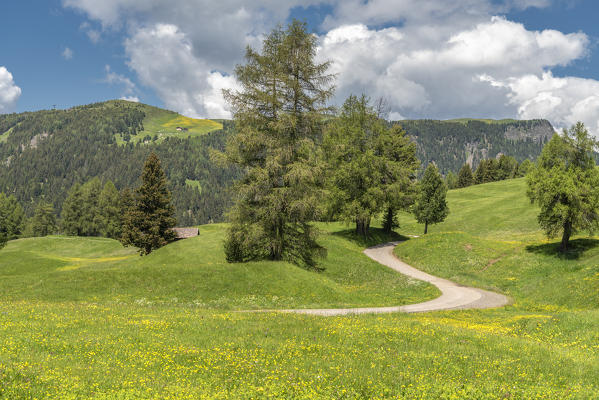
(375,237)
(577,248)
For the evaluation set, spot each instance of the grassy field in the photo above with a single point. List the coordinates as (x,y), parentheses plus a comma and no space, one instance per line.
(163,123)
(85,318)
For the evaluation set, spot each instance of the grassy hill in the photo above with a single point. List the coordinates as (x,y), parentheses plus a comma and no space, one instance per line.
(194,272)
(85,318)
(160,124)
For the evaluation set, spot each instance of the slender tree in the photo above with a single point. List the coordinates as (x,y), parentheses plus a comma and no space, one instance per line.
(11,217)
(399,173)
(110,211)
(149,222)
(356,167)
(431,205)
(279,114)
(91,215)
(465,177)
(451,180)
(71,217)
(565,184)
(43,222)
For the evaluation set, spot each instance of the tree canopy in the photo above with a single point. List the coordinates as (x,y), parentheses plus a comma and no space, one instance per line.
(564,183)
(431,205)
(371,166)
(147,224)
(279,114)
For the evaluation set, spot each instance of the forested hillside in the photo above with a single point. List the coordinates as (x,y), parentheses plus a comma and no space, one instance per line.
(44,153)
(452,143)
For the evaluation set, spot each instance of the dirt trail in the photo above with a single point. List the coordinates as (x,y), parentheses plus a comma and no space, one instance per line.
(453,297)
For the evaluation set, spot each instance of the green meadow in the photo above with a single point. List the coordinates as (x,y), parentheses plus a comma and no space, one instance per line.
(162,123)
(87,318)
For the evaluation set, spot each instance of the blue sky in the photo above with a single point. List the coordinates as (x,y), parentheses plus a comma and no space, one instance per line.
(429,59)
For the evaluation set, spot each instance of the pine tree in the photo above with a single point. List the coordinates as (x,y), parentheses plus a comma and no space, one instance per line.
(43,222)
(480,175)
(11,217)
(110,211)
(565,184)
(465,177)
(148,223)
(451,181)
(279,114)
(72,212)
(91,216)
(431,205)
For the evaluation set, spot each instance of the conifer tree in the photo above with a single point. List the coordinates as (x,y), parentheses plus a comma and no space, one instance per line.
(565,184)
(11,217)
(91,216)
(451,180)
(480,175)
(149,222)
(279,113)
(371,166)
(110,211)
(43,222)
(465,177)
(72,212)
(431,205)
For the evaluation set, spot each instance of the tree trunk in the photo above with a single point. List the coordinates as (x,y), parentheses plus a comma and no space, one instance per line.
(388,225)
(362,226)
(566,236)
(425,227)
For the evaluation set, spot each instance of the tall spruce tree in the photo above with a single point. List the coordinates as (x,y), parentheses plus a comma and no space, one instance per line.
(279,113)
(11,217)
(91,216)
(565,184)
(148,223)
(71,217)
(43,222)
(431,205)
(110,211)
(465,177)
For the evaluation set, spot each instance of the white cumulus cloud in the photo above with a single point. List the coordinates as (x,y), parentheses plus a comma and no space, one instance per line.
(9,91)
(428,58)
(164,59)
(67,53)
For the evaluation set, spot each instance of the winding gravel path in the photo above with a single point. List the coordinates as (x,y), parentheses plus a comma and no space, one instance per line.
(453,297)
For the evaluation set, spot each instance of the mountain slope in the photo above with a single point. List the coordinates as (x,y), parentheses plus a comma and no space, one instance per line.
(452,143)
(44,153)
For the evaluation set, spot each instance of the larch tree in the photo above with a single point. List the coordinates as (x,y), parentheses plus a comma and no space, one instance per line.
(372,167)
(431,205)
(11,217)
(71,216)
(279,113)
(109,208)
(565,185)
(43,222)
(149,221)
(465,177)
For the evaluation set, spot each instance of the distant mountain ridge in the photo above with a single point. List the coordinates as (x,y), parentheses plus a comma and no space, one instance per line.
(452,143)
(43,153)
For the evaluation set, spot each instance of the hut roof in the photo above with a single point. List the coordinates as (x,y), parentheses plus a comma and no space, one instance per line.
(185,233)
